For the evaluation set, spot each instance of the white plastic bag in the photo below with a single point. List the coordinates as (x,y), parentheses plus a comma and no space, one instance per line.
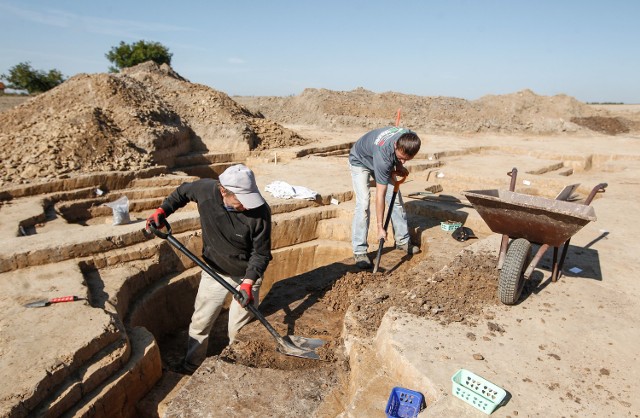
(120,208)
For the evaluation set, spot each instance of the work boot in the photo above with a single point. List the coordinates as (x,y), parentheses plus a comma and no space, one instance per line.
(408,248)
(362,261)
(186,368)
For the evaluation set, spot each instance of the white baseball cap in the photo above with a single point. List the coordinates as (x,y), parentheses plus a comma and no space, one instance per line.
(239,180)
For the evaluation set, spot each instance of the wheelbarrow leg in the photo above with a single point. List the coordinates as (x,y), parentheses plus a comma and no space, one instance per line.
(535,260)
(503,251)
(562,257)
(554,272)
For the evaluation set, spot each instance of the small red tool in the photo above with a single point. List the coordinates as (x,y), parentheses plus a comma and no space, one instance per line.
(47,302)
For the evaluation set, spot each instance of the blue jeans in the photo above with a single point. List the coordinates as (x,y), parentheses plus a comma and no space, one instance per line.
(360,227)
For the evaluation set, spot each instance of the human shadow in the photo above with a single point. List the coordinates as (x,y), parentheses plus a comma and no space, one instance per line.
(395,265)
(308,287)
(441,198)
(439,209)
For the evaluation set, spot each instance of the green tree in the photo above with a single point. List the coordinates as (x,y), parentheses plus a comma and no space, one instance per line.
(23,77)
(128,55)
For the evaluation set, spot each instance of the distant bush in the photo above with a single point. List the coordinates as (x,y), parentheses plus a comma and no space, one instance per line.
(23,77)
(605,103)
(128,55)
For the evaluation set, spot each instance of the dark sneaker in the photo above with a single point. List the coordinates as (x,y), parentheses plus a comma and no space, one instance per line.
(408,248)
(362,261)
(185,368)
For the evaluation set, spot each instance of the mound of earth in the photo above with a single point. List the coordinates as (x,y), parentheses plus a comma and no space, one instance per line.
(521,112)
(89,123)
(220,124)
(458,293)
(609,126)
(143,116)
(149,114)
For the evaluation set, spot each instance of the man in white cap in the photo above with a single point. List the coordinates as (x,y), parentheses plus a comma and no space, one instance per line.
(236,238)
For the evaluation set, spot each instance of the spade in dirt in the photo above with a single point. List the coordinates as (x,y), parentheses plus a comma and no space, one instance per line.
(396,187)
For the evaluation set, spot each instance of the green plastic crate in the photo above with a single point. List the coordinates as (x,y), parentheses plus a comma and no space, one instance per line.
(450,226)
(477,391)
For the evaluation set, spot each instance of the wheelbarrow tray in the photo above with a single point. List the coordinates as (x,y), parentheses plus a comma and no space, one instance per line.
(537,219)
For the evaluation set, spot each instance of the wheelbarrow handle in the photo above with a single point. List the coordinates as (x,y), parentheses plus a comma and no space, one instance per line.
(513,174)
(600,188)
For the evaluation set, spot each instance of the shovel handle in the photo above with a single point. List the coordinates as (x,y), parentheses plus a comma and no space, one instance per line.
(156,231)
(376,265)
(396,187)
(250,307)
(64,299)
(398,181)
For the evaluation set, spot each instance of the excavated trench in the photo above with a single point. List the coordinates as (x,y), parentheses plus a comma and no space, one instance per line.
(146,289)
(311,250)
(306,265)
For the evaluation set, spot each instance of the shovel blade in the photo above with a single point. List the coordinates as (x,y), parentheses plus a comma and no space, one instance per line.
(305,343)
(293,345)
(37,304)
(376,265)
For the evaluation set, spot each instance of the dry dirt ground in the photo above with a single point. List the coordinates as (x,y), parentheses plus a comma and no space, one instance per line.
(566,349)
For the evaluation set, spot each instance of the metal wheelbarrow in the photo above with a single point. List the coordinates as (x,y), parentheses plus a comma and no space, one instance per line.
(526,220)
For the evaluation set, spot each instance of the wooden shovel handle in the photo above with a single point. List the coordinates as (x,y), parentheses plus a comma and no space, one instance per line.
(398,181)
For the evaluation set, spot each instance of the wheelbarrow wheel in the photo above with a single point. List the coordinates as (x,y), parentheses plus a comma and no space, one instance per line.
(511,279)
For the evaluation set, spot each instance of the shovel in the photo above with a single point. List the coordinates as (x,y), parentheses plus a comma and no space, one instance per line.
(290,345)
(396,187)
(47,302)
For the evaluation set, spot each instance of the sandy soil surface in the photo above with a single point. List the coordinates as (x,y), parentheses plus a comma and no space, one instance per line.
(566,347)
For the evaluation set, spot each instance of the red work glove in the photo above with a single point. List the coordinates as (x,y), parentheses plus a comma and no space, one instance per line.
(157,219)
(246,296)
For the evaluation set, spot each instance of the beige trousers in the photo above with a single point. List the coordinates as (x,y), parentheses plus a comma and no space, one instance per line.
(208,304)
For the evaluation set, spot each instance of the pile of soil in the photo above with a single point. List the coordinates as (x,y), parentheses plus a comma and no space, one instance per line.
(521,112)
(144,116)
(458,293)
(89,123)
(219,122)
(8,101)
(609,126)
(149,114)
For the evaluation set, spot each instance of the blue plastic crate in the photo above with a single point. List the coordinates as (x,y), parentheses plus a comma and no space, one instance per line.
(404,403)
